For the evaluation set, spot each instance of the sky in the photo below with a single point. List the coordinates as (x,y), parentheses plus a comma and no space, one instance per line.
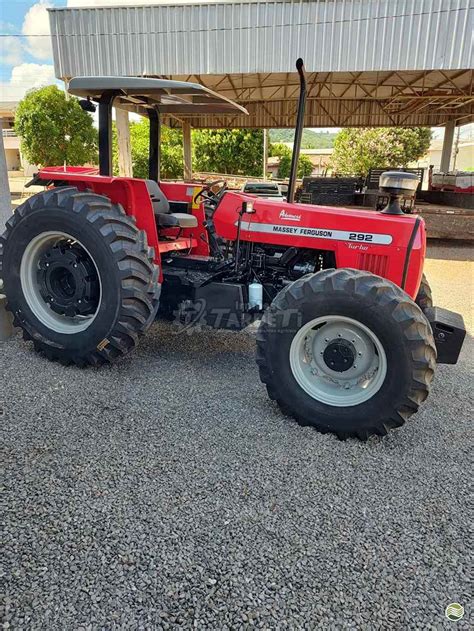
(25,47)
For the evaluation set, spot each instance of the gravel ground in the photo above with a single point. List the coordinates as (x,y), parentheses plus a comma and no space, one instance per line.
(168,491)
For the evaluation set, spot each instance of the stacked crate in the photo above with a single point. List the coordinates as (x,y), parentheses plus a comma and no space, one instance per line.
(329,191)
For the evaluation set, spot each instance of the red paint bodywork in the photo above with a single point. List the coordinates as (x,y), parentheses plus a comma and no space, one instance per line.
(387,260)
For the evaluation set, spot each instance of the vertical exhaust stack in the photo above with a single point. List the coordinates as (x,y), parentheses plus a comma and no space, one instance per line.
(298,132)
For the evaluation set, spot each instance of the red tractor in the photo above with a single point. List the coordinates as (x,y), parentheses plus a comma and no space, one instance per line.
(342,343)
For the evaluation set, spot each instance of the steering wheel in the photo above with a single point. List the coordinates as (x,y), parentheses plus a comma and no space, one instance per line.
(208,195)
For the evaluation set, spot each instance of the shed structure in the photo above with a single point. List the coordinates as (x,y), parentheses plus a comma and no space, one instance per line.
(368,62)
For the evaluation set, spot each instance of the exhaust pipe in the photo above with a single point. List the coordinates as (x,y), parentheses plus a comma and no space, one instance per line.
(298,132)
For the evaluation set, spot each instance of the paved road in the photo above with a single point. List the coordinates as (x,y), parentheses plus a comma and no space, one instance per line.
(168,491)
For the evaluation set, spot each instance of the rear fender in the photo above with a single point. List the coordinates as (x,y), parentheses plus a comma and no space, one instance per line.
(130,193)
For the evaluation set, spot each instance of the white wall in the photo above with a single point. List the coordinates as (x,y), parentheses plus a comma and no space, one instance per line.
(13,159)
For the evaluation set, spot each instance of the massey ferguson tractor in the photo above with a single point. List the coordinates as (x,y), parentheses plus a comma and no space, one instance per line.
(348,338)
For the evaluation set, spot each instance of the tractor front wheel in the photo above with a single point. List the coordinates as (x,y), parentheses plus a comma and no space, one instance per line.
(79,276)
(347,352)
(424,297)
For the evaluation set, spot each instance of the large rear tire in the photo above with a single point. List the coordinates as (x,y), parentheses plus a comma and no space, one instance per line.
(79,276)
(347,352)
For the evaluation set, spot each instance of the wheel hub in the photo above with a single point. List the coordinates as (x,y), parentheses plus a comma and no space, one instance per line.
(339,355)
(338,360)
(67,280)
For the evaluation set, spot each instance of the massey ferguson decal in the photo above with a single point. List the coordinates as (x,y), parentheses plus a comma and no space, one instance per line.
(318,233)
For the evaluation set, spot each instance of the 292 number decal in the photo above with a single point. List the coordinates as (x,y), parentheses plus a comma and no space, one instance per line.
(360,236)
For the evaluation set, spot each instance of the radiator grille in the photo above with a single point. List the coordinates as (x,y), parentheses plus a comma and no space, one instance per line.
(375,263)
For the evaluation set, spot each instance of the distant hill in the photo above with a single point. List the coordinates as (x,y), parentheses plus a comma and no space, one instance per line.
(311,139)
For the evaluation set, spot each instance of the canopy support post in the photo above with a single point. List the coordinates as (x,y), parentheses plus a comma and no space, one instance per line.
(154,146)
(105,132)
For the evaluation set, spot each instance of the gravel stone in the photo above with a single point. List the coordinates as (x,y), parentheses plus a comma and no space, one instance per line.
(169,492)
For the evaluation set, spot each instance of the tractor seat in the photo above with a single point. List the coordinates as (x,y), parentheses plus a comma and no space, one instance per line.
(161,207)
(176,220)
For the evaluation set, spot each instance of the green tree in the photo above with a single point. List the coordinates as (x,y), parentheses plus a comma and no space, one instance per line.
(233,151)
(358,150)
(311,139)
(305,166)
(171,154)
(54,129)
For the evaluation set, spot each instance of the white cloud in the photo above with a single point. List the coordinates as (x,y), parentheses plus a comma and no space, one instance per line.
(7,27)
(23,78)
(36,30)
(11,50)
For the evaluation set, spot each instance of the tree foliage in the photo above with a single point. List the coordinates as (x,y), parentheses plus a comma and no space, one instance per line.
(234,151)
(311,139)
(305,166)
(54,129)
(358,150)
(171,164)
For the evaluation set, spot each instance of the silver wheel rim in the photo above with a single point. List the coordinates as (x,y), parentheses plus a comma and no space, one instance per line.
(355,385)
(30,287)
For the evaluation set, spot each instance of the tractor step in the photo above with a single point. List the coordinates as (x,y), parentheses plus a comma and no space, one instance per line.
(182,243)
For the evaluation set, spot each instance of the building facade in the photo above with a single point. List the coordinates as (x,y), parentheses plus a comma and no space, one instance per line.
(11,141)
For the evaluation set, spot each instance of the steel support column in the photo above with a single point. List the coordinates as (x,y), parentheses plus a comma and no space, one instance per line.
(187,151)
(124,147)
(447,150)
(265,152)
(5,197)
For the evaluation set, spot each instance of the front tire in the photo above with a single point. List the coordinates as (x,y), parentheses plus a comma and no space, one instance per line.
(347,352)
(424,297)
(79,276)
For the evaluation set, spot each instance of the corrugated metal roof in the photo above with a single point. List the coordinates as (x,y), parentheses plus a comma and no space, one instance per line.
(331,36)
(379,62)
(334,113)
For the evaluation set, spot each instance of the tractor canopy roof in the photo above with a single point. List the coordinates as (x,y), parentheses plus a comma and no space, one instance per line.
(140,94)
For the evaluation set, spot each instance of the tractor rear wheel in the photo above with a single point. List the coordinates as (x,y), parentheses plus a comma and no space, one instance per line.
(347,352)
(79,276)
(424,297)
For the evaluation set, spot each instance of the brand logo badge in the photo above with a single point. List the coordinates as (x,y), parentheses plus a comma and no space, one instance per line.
(289,216)
(454,612)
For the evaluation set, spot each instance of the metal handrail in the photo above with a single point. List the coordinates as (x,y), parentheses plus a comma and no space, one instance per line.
(9,133)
